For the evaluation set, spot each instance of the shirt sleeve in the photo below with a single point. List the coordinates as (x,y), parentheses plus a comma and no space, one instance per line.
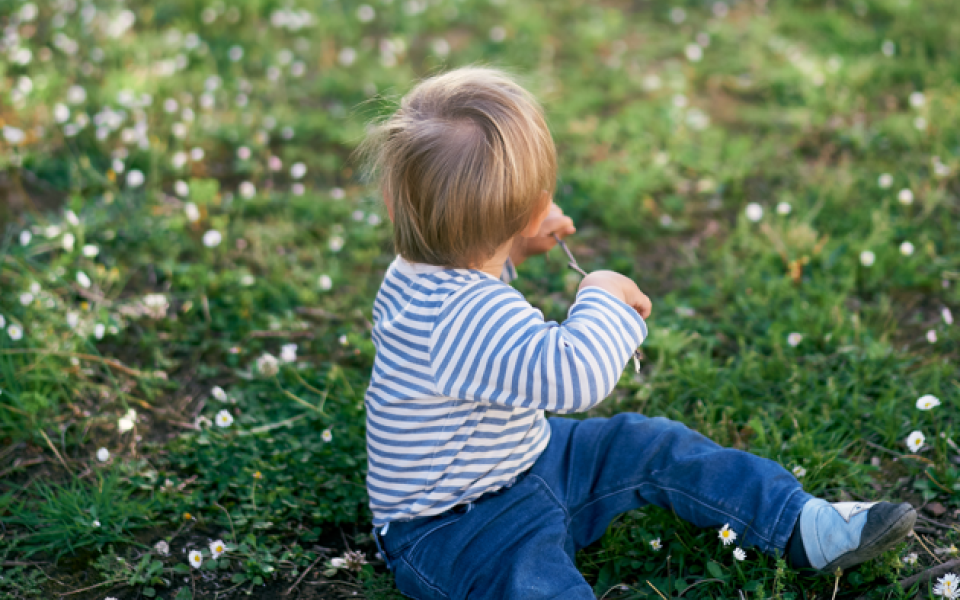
(490,345)
(509,272)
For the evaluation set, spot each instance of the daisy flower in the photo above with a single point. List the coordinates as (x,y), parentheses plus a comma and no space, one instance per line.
(867,258)
(288,353)
(25,237)
(218,393)
(932,336)
(267,365)
(915,441)
(217,548)
(135,178)
(910,559)
(224,418)
(90,251)
(196,559)
(739,554)
(885,180)
(15,332)
(905,196)
(247,189)
(906,249)
(212,238)
(127,421)
(917,99)
(298,170)
(83,279)
(947,586)
(784,208)
(192,212)
(727,535)
(794,339)
(103,455)
(754,212)
(947,316)
(927,402)
(96,523)
(799,471)
(338,563)
(162,548)
(325,282)
(656,545)
(326,436)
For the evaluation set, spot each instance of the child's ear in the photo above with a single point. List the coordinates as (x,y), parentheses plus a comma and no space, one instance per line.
(389,203)
(533,227)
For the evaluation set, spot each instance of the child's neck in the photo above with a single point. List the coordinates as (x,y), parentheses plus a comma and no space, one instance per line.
(494,265)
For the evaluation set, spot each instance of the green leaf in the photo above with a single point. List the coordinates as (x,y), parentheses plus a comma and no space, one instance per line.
(258,580)
(149,592)
(181,568)
(209,564)
(184,594)
(238,578)
(715,569)
(155,567)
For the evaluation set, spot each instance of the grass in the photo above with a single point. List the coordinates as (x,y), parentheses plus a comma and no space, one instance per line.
(114,298)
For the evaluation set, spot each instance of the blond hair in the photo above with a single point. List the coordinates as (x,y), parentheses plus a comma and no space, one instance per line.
(464,162)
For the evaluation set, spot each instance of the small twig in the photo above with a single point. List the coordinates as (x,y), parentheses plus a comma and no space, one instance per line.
(106,361)
(18,465)
(302,575)
(929,574)
(836,585)
(279,334)
(932,522)
(277,425)
(897,454)
(55,451)
(656,590)
(932,555)
(91,587)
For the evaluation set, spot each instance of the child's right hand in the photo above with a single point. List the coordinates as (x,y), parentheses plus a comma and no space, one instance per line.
(622,287)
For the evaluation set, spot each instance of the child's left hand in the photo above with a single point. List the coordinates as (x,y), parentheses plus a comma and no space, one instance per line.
(555,223)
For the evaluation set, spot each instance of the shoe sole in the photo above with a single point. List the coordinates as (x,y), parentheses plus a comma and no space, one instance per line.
(897,530)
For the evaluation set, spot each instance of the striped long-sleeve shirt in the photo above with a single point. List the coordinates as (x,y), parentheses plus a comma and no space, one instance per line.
(465,369)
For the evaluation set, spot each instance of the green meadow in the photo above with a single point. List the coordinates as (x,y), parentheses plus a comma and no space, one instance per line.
(188,261)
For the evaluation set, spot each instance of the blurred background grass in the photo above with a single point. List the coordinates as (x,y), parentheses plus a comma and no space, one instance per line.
(179,199)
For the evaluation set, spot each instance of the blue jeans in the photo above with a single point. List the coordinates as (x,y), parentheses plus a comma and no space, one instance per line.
(520,542)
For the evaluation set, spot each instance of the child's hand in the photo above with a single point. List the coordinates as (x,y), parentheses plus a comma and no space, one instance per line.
(621,287)
(556,222)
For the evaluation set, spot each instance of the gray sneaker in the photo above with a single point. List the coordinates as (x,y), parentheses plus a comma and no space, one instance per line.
(845,534)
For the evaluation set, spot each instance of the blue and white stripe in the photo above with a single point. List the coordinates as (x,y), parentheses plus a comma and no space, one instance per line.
(465,369)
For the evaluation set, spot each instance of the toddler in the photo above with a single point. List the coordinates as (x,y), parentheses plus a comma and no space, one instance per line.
(474,492)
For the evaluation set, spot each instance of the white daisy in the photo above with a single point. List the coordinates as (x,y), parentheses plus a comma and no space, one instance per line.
(217,548)
(739,554)
(888,48)
(96,523)
(917,99)
(906,249)
(915,441)
(948,586)
(336,243)
(83,279)
(727,535)
(223,419)
(867,258)
(247,190)
(212,238)
(366,13)
(794,339)
(135,178)
(103,455)
(196,559)
(694,52)
(243,153)
(325,282)
(162,547)
(192,212)
(298,170)
(905,196)
(799,471)
(90,251)
(326,436)
(267,365)
(754,212)
(656,545)
(68,242)
(338,563)
(288,353)
(26,298)
(25,237)
(99,330)
(927,402)
(127,421)
(181,188)
(885,180)
(218,393)
(910,559)
(932,336)
(784,208)
(947,316)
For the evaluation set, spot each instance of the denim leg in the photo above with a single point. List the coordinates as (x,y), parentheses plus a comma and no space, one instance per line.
(600,468)
(509,546)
